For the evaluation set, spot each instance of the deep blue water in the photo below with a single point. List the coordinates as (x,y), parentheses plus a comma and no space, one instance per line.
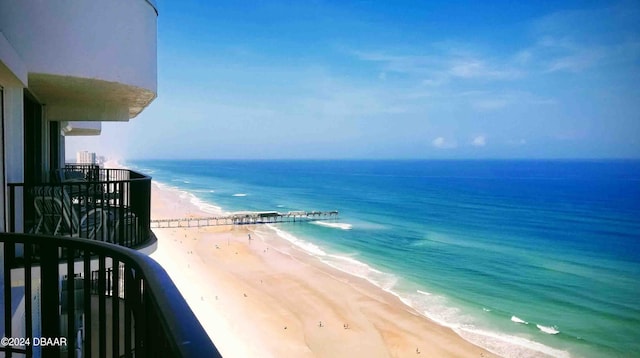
(481,246)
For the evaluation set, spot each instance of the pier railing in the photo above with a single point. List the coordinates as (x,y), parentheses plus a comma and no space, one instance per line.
(62,297)
(245,218)
(111,205)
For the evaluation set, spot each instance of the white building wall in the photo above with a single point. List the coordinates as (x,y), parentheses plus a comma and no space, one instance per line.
(13,144)
(3,182)
(13,70)
(13,79)
(79,39)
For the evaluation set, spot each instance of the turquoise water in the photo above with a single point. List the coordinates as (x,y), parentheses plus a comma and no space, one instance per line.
(521,257)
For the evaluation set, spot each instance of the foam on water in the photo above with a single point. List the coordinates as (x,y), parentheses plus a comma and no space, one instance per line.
(547,329)
(508,345)
(205,206)
(240,194)
(343,263)
(360,269)
(439,309)
(366,225)
(193,199)
(161,185)
(202,190)
(518,320)
(342,226)
(308,247)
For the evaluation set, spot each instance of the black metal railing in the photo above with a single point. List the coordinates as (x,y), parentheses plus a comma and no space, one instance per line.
(111,205)
(87,171)
(78,305)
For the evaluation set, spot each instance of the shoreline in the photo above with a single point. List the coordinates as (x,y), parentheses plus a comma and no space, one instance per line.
(266,297)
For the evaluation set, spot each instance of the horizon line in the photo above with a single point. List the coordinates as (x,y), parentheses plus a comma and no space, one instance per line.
(385,159)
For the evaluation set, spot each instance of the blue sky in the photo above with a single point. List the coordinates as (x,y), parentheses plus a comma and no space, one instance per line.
(389,79)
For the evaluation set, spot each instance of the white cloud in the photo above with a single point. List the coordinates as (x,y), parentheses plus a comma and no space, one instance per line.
(523,57)
(492,101)
(579,40)
(434,82)
(473,68)
(517,142)
(489,104)
(438,66)
(578,61)
(442,143)
(479,141)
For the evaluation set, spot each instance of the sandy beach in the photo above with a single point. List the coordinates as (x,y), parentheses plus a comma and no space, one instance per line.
(264,297)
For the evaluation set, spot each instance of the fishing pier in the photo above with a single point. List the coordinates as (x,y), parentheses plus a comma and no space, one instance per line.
(245,218)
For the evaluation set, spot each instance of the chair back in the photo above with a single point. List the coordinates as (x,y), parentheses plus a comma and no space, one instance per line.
(56,215)
(128,224)
(49,215)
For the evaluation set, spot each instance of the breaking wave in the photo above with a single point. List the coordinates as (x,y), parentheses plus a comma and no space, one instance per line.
(342,226)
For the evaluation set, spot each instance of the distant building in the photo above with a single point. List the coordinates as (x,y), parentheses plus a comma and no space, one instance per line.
(84,157)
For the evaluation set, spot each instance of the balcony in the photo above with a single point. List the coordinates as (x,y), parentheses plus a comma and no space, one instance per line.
(102,299)
(84,201)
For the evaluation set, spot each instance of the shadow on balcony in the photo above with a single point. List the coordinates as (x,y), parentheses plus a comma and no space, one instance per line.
(103,300)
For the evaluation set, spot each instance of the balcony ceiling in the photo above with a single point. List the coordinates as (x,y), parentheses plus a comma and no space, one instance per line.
(70,98)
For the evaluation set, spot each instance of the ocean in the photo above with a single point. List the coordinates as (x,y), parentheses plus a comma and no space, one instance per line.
(520,257)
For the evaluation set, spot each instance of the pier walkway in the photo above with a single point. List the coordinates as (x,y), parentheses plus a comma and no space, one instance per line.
(245,218)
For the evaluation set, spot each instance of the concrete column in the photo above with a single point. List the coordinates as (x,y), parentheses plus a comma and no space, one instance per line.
(14,146)
(46,145)
(63,151)
(14,134)
(3,182)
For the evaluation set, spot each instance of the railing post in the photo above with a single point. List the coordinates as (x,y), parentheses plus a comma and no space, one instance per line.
(7,262)
(28,302)
(16,214)
(50,317)
(129,307)
(115,308)
(88,322)
(140,316)
(123,191)
(102,314)
(11,216)
(71,303)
